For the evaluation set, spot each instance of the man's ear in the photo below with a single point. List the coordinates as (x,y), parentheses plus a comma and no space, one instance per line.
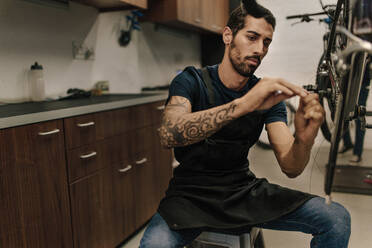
(227,36)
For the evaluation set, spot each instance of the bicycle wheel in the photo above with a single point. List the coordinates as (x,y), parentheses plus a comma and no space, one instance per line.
(329,81)
(263,141)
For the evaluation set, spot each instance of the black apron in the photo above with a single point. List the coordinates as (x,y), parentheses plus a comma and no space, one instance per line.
(213,189)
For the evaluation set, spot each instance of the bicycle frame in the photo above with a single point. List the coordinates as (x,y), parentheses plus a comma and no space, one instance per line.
(346,73)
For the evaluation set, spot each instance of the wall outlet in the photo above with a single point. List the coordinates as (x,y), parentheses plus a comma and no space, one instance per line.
(82,52)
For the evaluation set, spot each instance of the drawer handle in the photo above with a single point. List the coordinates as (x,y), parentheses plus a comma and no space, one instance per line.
(197,20)
(162,107)
(86,124)
(125,169)
(92,154)
(142,161)
(49,133)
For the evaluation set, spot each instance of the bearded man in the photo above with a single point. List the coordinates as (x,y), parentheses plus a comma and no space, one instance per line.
(212,118)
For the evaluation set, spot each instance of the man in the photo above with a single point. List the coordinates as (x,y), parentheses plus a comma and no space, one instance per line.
(211,127)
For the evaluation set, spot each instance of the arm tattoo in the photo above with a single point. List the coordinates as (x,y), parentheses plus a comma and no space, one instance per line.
(180,127)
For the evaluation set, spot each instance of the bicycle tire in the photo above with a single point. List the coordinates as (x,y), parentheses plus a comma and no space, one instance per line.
(323,83)
(291,111)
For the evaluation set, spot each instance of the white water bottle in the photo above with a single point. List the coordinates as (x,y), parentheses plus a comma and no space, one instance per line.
(36,83)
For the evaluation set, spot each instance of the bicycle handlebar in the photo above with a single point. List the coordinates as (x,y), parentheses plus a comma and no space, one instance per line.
(306,15)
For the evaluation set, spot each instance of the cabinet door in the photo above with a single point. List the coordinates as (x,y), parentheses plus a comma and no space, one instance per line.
(124,206)
(190,11)
(163,170)
(34,209)
(215,14)
(145,184)
(145,190)
(91,208)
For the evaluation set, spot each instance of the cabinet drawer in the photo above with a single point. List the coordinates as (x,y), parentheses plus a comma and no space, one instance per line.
(85,160)
(146,115)
(80,130)
(113,122)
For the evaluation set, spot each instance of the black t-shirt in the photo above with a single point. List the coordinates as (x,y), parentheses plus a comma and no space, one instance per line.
(195,91)
(192,87)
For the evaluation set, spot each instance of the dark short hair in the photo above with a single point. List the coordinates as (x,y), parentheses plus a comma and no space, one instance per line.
(237,17)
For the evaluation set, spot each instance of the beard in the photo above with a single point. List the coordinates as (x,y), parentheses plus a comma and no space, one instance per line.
(243,67)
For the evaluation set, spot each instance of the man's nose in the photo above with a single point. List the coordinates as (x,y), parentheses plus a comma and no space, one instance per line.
(259,48)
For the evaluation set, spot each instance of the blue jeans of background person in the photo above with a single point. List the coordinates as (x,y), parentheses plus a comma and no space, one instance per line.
(329,225)
(359,133)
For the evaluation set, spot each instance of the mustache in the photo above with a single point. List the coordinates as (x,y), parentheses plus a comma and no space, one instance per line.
(253,57)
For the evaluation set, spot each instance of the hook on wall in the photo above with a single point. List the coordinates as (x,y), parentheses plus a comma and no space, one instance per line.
(132,21)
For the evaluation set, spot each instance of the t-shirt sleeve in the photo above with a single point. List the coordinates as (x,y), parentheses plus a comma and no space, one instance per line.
(277,112)
(182,85)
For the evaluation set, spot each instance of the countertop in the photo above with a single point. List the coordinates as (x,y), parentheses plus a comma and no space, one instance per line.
(12,115)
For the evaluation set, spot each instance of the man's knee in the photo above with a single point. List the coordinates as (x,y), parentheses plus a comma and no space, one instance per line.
(343,220)
(158,234)
(157,239)
(337,219)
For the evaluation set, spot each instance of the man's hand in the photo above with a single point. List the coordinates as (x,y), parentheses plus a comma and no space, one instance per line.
(309,117)
(269,92)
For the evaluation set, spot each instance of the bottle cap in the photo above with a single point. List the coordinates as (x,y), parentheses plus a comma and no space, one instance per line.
(36,66)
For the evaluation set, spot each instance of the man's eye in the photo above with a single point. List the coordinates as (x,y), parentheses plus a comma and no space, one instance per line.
(251,37)
(267,43)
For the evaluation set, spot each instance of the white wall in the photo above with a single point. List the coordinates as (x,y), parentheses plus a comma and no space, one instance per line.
(32,32)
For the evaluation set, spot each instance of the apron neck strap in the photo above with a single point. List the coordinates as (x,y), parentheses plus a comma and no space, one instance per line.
(208,83)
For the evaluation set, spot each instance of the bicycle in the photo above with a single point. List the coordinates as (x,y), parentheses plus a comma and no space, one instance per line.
(341,70)
(323,81)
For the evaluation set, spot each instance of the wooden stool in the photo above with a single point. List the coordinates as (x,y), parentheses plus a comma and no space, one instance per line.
(253,239)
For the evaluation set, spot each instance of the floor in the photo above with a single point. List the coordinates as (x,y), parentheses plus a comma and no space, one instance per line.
(263,164)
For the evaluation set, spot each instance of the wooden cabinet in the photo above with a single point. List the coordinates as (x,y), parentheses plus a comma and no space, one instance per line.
(190,11)
(91,204)
(117,190)
(138,3)
(210,15)
(34,209)
(114,4)
(216,14)
(115,176)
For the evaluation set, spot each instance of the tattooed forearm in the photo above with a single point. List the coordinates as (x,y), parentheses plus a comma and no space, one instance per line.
(180,127)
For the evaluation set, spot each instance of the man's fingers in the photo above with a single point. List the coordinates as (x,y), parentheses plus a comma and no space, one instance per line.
(309,98)
(310,104)
(316,113)
(296,89)
(280,89)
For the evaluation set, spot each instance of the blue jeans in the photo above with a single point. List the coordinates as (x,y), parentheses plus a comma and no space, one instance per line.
(329,225)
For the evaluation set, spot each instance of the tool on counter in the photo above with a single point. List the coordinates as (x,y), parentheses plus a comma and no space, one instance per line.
(75,93)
